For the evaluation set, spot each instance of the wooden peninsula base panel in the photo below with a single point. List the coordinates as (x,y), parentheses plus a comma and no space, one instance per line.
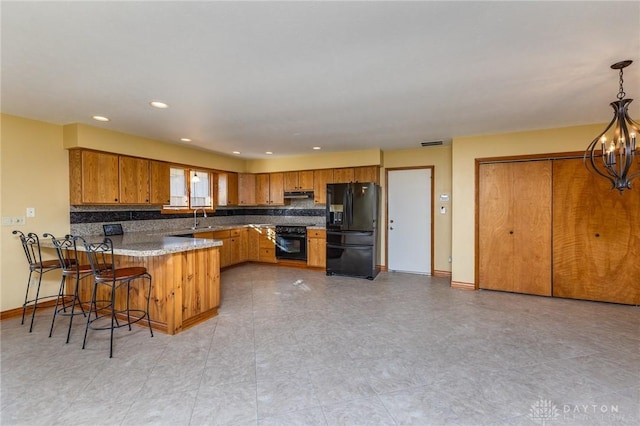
(185,287)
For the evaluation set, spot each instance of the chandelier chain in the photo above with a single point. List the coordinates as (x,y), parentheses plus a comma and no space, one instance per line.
(621,93)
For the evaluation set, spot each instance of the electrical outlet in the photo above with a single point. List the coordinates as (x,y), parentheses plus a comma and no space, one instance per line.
(31,212)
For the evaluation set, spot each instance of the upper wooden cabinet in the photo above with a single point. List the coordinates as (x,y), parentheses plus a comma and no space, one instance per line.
(246,189)
(270,189)
(320,180)
(93,177)
(232,189)
(227,189)
(134,180)
(159,183)
(365,174)
(343,175)
(298,181)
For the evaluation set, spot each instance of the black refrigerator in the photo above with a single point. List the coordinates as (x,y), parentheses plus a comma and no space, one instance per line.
(352,220)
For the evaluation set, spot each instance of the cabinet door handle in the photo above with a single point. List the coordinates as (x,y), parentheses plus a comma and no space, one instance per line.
(510,232)
(597,235)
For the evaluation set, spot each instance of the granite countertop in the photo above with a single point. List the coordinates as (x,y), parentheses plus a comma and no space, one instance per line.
(142,244)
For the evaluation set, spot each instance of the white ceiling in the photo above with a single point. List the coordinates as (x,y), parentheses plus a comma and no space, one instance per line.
(287,76)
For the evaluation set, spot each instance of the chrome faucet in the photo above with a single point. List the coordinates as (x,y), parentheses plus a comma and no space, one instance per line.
(195,219)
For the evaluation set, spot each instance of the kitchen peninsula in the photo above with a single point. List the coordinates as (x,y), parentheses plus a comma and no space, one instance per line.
(185,277)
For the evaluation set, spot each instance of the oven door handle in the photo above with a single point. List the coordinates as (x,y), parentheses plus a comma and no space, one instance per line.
(291,235)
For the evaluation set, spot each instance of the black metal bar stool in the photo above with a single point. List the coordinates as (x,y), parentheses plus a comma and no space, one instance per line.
(71,267)
(31,246)
(101,254)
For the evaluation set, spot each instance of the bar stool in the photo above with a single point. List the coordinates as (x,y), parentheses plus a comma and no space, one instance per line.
(31,246)
(67,252)
(101,254)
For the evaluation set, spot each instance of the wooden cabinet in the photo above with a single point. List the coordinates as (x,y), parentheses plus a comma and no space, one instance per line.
(134,180)
(93,177)
(253,243)
(243,238)
(267,245)
(514,227)
(343,175)
(270,189)
(225,250)
(234,247)
(320,180)
(227,189)
(262,189)
(365,174)
(104,178)
(298,181)
(232,189)
(159,183)
(596,237)
(316,248)
(246,189)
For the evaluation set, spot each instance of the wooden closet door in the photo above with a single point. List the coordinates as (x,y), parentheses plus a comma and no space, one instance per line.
(596,237)
(532,227)
(515,227)
(494,227)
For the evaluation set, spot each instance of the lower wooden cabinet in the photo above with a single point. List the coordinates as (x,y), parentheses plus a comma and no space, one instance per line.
(316,248)
(267,245)
(231,251)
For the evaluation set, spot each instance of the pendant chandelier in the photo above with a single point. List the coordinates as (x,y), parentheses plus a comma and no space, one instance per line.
(612,154)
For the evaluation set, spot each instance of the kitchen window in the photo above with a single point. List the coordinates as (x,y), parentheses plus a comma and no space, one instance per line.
(190,189)
(200,194)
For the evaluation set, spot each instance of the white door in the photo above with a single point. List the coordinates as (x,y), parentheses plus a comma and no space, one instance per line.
(409,220)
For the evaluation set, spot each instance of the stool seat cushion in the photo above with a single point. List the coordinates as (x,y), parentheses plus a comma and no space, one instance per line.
(84,268)
(45,264)
(122,273)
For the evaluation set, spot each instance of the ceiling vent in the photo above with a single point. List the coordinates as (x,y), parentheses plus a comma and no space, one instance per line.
(432,143)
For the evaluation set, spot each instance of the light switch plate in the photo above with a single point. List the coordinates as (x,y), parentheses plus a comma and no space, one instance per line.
(11,221)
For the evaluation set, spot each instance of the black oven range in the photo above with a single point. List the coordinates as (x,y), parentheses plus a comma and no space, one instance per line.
(291,242)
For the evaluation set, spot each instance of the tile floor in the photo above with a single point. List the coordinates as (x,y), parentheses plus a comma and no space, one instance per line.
(399,350)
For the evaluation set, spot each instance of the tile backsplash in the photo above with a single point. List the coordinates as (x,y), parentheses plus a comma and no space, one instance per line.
(88,220)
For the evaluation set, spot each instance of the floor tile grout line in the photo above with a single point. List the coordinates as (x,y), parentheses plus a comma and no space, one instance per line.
(195,400)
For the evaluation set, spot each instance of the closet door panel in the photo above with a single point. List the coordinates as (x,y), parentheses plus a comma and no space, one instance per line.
(596,237)
(495,227)
(532,227)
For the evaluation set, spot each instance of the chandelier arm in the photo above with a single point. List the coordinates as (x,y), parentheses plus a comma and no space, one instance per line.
(590,155)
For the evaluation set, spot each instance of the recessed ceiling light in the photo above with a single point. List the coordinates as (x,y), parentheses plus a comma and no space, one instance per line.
(158,104)
(268,152)
(185,139)
(236,152)
(100,118)
(316,148)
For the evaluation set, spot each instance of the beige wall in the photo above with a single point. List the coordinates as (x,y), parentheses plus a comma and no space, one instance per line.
(440,158)
(464,153)
(368,157)
(83,136)
(34,173)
